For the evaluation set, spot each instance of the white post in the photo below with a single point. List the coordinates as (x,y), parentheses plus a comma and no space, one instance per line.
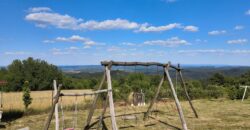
(244,93)
(56,107)
(111,103)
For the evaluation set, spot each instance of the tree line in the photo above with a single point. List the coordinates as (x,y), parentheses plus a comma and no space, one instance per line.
(41,74)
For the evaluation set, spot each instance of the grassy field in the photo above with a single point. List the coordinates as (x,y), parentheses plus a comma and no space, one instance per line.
(41,100)
(219,114)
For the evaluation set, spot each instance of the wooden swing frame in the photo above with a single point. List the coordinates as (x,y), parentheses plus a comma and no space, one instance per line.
(109,100)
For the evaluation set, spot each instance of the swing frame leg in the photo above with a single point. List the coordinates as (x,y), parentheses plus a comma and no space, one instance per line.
(186,93)
(93,106)
(177,103)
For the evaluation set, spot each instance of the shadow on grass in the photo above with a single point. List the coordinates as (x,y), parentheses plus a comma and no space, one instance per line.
(12,115)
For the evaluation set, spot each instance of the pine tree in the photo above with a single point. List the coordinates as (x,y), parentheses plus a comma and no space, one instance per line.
(26,95)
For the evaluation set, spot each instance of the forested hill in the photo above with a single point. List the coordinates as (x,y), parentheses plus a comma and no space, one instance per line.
(190,72)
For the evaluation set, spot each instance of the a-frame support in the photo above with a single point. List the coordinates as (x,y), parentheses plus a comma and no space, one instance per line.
(110,99)
(168,78)
(186,93)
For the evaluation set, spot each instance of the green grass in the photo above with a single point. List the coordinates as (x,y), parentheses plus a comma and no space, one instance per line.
(219,114)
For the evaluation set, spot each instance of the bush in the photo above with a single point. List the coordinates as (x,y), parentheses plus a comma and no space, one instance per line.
(236,93)
(214,91)
(26,95)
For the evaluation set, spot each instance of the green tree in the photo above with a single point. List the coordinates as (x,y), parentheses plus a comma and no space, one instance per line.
(26,95)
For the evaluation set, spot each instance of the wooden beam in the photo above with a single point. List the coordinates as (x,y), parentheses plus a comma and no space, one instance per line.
(178,105)
(186,93)
(111,103)
(93,106)
(56,107)
(154,99)
(85,94)
(118,63)
(56,98)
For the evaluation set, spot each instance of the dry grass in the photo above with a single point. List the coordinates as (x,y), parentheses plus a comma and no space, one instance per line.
(221,114)
(41,100)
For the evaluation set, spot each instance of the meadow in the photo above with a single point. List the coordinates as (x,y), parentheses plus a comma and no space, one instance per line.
(214,114)
(41,100)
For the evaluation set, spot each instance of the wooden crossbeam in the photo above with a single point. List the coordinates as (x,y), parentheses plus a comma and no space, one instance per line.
(118,63)
(86,94)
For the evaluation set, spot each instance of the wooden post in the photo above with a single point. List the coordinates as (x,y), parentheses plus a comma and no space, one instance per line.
(56,98)
(93,106)
(186,93)
(111,103)
(56,107)
(154,99)
(244,93)
(184,125)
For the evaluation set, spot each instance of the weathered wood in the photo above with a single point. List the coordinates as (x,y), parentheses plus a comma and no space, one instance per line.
(244,93)
(154,99)
(178,105)
(186,93)
(85,94)
(56,107)
(111,103)
(103,112)
(56,98)
(118,63)
(93,106)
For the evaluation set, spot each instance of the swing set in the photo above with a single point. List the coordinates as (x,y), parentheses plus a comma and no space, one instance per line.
(109,98)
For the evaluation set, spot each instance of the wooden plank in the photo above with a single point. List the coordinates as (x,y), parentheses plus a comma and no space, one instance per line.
(56,98)
(56,107)
(154,99)
(187,95)
(111,103)
(118,63)
(178,105)
(85,94)
(93,106)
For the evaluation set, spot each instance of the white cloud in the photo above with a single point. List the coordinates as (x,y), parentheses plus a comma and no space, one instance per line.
(16,53)
(191,28)
(48,41)
(73,39)
(147,28)
(248,12)
(44,17)
(214,51)
(113,48)
(171,42)
(108,24)
(217,32)
(237,41)
(73,48)
(239,27)
(200,40)
(39,9)
(128,44)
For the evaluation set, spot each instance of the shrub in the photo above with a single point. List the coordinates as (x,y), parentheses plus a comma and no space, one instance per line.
(26,95)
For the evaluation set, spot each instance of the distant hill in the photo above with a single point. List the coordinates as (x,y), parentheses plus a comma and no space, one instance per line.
(189,72)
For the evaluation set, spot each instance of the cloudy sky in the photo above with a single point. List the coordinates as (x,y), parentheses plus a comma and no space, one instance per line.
(84,32)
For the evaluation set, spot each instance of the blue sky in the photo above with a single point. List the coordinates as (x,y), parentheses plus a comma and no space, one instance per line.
(84,32)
